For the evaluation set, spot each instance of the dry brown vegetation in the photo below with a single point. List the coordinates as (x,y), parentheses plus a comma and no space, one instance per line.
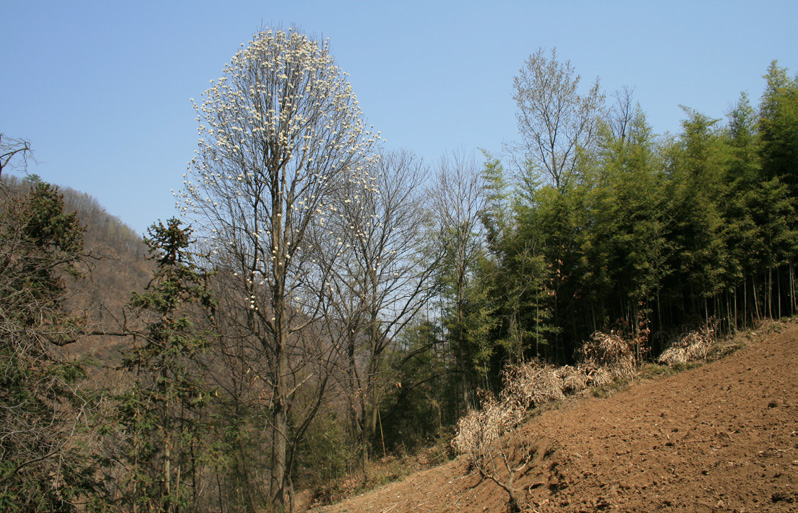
(603,359)
(488,437)
(115,264)
(692,347)
(718,437)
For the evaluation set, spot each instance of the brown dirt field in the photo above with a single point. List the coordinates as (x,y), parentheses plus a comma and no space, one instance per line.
(722,437)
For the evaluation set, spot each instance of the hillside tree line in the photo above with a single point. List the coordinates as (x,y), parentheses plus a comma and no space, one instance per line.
(322,302)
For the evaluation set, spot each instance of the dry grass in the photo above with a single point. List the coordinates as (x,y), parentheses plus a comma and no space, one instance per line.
(692,347)
(525,386)
(479,429)
(604,359)
(532,384)
(573,379)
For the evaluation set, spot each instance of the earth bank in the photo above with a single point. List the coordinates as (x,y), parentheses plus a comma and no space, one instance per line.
(721,437)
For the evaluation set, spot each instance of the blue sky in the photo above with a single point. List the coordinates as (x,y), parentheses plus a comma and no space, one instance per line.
(102,89)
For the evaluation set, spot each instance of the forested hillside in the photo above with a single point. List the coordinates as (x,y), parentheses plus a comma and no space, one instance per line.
(114,263)
(322,302)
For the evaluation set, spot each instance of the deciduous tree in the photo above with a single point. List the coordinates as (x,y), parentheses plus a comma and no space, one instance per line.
(458,205)
(381,279)
(12,151)
(554,118)
(280,132)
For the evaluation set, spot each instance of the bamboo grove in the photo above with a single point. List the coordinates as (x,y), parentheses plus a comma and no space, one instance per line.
(323,302)
(656,233)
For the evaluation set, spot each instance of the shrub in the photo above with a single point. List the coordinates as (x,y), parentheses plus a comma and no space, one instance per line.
(526,386)
(693,346)
(603,359)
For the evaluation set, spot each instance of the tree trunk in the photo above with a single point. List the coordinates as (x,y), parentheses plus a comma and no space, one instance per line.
(357,406)
(279,425)
(279,433)
(769,292)
(364,421)
(244,469)
(745,301)
(374,367)
(778,294)
(792,289)
(756,301)
(167,452)
(461,352)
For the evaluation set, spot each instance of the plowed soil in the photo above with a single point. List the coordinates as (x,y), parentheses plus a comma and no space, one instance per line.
(722,437)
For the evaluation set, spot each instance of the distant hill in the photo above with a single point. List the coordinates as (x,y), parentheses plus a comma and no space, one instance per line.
(116,264)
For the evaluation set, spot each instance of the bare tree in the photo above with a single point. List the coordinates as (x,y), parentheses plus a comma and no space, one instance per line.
(382,278)
(504,461)
(236,366)
(10,148)
(280,133)
(554,119)
(458,202)
(622,113)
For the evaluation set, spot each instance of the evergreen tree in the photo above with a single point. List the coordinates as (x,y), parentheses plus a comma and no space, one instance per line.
(458,204)
(518,275)
(42,467)
(778,127)
(625,237)
(696,181)
(740,231)
(162,414)
(422,403)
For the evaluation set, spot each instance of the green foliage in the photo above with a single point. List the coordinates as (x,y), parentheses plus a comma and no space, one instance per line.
(778,126)
(695,187)
(327,453)
(162,415)
(42,467)
(422,400)
(517,272)
(632,233)
(654,233)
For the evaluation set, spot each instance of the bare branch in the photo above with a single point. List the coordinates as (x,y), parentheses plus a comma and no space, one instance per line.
(554,119)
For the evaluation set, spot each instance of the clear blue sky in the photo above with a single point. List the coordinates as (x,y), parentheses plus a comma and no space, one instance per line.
(101,89)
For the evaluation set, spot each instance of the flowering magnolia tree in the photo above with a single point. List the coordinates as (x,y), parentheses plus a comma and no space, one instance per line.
(281,133)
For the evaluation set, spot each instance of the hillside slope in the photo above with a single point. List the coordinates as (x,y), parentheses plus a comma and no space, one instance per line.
(114,265)
(721,437)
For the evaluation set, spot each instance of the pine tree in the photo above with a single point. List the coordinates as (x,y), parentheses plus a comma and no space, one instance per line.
(42,467)
(162,414)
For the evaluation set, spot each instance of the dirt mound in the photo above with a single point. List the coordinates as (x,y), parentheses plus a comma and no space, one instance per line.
(722,437)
